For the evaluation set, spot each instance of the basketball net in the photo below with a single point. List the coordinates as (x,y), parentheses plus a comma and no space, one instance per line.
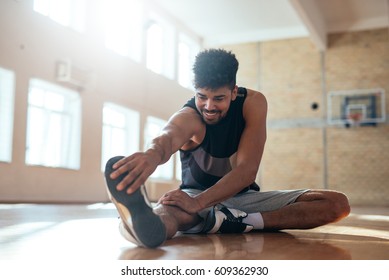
(354,119)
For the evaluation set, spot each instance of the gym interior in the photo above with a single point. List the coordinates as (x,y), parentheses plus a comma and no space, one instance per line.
(88,80)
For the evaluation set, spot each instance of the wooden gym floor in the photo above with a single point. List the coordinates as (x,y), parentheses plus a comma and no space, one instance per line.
(89,232)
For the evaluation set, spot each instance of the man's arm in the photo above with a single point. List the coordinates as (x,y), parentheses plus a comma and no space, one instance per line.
(182,127)
(249,154)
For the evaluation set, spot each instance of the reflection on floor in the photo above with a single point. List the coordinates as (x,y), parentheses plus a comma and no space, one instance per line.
(30,231)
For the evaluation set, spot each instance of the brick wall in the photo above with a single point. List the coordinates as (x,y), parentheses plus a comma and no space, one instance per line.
(301,150)
(358,159)
(358,164)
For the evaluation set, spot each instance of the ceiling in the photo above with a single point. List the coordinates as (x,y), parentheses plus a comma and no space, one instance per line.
(220,22)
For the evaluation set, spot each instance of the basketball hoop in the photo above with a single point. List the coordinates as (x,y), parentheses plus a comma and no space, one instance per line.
(354,119)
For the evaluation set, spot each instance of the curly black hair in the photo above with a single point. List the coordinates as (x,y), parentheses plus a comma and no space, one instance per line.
(215,68)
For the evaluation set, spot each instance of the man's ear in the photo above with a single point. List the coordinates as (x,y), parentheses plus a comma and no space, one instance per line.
(234,93)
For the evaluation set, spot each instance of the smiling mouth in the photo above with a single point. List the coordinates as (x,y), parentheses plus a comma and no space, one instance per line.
(210,114)
(211,117)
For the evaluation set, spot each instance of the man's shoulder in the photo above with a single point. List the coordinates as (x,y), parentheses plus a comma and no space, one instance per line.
(255,103)
(255,96)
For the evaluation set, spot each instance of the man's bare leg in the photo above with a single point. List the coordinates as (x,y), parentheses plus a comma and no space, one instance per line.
(175,219)
(312,209)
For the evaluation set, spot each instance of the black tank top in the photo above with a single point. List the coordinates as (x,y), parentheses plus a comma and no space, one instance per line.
(203,166)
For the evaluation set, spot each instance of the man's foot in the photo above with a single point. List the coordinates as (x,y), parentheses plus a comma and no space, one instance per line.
(139,223)
(226,220)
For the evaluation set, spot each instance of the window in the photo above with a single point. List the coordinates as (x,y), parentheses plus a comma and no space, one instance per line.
(154,59)
(187,51)
(152,130)
(160,46)
(70,13)
(120,132)
(53,126)
(122,23)
(7,84)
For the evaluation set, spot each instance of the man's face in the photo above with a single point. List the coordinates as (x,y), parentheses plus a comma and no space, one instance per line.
(214,104)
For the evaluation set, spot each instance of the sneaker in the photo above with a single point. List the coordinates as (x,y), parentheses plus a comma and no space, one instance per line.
(139,223)
(226,220)
(125,232)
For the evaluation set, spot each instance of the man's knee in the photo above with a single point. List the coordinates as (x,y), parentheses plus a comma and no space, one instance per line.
(335,205)
(338,206)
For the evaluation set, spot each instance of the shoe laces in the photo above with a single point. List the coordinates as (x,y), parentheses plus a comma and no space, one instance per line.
(230,217)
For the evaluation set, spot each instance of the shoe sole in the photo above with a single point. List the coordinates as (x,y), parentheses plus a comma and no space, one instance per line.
(126,233)
(135,211)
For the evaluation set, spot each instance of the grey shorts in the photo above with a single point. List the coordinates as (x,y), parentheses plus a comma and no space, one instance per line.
(255,201)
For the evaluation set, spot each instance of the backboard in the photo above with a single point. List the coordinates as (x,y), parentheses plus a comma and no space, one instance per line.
(356,107)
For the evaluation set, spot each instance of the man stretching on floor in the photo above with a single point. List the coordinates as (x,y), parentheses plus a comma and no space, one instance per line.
(221,134)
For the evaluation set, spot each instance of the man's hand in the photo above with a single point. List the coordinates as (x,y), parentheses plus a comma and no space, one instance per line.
(139,167)
(182,200)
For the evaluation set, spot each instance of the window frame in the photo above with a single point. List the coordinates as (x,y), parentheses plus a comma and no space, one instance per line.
(168,48)
(130,46)
(132,136)
(70,120)
(75,18)
(193,49)
(166,168)
(7,103)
